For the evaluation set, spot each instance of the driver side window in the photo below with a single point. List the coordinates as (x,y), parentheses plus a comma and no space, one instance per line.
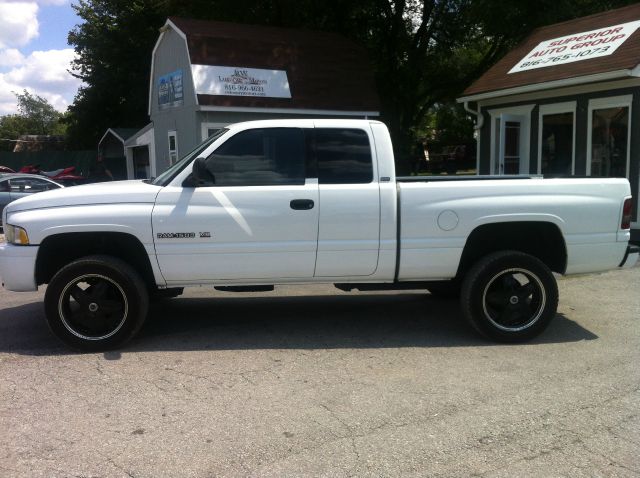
(260,157)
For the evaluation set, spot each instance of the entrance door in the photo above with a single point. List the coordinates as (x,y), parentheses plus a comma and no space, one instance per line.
(141,162)
(511,159)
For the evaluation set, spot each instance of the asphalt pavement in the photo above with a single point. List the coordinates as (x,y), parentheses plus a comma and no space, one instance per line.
(311,381)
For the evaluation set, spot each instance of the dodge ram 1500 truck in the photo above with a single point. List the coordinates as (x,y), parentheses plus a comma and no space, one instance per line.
(304,201)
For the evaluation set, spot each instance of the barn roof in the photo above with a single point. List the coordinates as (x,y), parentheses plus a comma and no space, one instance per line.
(325,71)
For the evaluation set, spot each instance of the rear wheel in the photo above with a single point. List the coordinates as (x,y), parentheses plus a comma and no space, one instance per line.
(509,296)
(96,303)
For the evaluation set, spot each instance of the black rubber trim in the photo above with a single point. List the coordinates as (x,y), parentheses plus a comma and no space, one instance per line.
(398,232)
(631,249)
(427,179)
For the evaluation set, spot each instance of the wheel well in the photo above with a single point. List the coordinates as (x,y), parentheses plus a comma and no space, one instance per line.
(59,250)
(539,239)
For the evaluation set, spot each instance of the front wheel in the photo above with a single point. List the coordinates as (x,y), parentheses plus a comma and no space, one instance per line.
(509,296)
(96,303)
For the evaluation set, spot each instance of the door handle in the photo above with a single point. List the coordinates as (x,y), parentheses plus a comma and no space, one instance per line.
(302,204)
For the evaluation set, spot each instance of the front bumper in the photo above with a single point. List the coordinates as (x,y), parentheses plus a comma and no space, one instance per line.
(630,257)
(18,267)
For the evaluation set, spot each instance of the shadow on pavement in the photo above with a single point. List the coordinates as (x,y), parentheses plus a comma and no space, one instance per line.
(308,322)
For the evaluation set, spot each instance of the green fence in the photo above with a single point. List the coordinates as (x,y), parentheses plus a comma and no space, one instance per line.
(84,161)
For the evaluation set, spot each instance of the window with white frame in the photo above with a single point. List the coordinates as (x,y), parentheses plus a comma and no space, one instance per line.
(556,139)
(608,136)
(173,147)
(209,129)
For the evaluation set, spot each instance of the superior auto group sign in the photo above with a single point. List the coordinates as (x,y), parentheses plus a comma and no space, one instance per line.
(577,47)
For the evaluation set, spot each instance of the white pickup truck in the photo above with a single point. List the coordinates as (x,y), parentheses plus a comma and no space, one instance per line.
(306,201)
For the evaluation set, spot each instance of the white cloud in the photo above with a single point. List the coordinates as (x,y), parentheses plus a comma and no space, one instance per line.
(18,23)
(39,2)
(11,57)
(43,73)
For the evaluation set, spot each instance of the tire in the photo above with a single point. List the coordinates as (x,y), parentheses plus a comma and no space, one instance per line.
(509,296)
(96,303)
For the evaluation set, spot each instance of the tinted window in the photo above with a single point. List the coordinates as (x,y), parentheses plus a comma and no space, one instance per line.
(344,156)
(260,157)
(31,185)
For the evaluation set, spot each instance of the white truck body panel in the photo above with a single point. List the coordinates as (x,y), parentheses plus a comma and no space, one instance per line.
(253,233)
(585,210)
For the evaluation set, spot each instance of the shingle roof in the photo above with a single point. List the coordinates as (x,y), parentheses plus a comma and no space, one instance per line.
(326,71)
(626,57)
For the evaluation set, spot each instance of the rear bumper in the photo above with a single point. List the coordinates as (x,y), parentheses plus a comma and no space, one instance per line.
(18,267)
(631,257)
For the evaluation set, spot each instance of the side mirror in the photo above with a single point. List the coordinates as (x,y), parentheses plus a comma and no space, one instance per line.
(200,175)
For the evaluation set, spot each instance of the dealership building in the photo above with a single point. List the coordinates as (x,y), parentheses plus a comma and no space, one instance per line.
(206,75)
(565,102)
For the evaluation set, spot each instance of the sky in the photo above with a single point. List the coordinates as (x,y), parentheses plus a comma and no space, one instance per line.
(34,54)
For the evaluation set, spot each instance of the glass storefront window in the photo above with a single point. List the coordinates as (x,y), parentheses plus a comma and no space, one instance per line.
(557,144)
(609,142)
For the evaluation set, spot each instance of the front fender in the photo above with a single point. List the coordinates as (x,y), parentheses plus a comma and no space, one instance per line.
(133,219)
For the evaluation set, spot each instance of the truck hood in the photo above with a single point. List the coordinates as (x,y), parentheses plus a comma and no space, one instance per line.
(118,192)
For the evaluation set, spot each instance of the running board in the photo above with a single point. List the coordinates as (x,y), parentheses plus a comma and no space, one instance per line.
(245,288)
(390,286)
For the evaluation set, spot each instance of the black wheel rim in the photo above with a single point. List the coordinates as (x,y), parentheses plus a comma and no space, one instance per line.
(93,307)
(514,299)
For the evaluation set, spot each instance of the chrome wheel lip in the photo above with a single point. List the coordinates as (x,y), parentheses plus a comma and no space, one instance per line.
(543,299)
(80,279)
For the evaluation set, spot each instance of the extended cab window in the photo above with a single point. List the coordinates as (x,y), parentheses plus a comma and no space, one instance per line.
(344,156)
(260,157)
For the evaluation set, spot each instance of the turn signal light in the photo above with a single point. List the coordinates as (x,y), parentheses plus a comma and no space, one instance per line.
(16,235)
(626,214)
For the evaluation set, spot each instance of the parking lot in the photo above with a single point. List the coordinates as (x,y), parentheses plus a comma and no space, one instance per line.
(316,382)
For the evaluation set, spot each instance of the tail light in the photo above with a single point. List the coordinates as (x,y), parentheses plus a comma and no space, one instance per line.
(626,214)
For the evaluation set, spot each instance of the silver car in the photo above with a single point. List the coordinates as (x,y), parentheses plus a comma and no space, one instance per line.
(15,186)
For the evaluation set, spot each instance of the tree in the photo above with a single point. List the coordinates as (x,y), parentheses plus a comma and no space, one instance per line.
(424,53)
(39,115)
(114,45)
(35,116)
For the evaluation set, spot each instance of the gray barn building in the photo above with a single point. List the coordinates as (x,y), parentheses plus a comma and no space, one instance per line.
(565,102)
(205,75)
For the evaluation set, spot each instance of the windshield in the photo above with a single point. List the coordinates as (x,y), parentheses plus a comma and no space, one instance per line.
(173,171)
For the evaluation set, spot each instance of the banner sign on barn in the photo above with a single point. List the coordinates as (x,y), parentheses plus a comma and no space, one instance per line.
(238,81)
(170,90)
(577,47)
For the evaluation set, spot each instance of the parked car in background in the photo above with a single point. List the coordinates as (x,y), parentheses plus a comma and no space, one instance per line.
(15,186)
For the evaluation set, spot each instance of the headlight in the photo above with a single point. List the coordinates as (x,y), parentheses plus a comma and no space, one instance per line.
(16,235)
